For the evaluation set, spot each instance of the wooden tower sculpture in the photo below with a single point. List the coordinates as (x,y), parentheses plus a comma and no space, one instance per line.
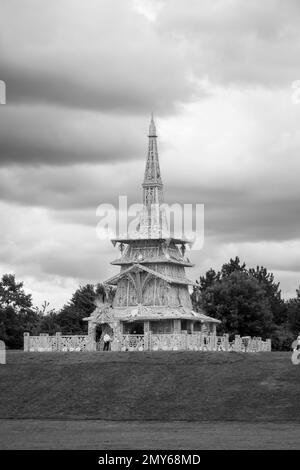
(152,290)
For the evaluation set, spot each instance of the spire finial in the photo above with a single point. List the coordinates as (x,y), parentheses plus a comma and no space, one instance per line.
(152,172)
(152,128)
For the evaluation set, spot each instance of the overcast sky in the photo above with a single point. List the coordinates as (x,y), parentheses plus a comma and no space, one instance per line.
(82,78)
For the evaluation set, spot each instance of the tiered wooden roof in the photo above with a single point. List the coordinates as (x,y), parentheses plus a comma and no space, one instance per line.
(151,284)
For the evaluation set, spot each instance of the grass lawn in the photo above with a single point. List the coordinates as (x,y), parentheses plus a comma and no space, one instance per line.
(163,386)
(95,434)
(158,400)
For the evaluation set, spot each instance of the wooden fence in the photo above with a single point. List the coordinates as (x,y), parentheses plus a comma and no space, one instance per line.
(147,342)
(59,342)
(189,342)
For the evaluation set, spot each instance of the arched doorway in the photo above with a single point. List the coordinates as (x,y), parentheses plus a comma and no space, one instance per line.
(98,335)
(101,330)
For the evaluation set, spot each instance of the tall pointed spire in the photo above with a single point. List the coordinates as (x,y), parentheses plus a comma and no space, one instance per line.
(152,185)
(152,128)
(152,221)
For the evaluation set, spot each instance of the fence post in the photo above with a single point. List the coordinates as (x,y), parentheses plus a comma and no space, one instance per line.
(150,340)
(238,343)
(58,340)
(146,341)
(26,341)
(2,352)
(146,335)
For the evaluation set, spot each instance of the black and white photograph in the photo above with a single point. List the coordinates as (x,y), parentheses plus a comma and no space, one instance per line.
(150,230)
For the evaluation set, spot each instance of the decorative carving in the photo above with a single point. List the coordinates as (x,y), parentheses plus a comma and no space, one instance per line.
(192,342)
(132,343)
(152,284)
(46,343)
(183,250)
(197,341)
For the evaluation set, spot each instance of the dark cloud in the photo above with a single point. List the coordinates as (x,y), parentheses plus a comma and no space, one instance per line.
(235,215)
(90,55)
(82,79)
(54,136)
(241,215)
(76,187)
(160,88)
(258,220)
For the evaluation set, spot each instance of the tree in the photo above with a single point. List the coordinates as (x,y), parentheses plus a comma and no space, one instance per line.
(232,266)
(282,337)
(272,292)
(48,319)
(202,285)
(239,302)
(49,323)
(12,294)
(16,313)
(293,309)
(237,298)
(81,305)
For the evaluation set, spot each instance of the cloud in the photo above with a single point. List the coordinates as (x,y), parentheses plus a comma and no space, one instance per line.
(82,79)
(90,55)
(233,42)
(237,153)
(46,253)
(74,187)
(58,136)
(148,8)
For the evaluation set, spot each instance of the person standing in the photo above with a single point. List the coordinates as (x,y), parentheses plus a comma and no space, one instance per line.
(106,340)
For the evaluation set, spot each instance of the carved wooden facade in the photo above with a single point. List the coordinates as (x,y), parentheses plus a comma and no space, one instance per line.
(152,290)
(146,342)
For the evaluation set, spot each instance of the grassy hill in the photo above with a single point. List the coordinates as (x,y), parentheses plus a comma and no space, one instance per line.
(151,386)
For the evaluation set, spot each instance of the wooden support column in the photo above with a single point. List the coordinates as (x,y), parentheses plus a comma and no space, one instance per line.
(177,326)
(147,336)
(139,292)
(92,336)
(26,342)
(58,340)
(116,343)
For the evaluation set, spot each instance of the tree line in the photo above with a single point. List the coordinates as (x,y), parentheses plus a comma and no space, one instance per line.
(18,314)
(248,302)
